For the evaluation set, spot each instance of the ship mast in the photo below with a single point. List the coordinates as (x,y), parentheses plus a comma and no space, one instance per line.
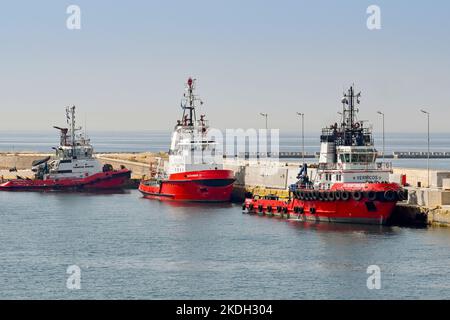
(348,104)
(351,127)
(190,118)
(70,114)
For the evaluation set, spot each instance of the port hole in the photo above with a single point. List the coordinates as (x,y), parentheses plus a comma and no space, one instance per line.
(371,206)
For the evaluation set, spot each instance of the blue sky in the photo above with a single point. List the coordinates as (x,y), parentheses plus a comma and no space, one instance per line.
(126,68)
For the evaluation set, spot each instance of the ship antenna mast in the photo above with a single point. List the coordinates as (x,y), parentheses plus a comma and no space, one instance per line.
(348,104)
(190,104)
(70,114)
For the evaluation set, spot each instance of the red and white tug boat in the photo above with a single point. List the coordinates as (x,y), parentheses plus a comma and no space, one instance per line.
(194,171)
(349,186)
(74,166)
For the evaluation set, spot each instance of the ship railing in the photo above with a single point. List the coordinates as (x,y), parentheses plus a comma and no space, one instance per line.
(330,166)
(343,166)
(204,123)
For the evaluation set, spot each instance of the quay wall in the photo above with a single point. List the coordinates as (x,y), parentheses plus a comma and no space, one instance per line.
(269,175)
(21,161)
(139,170)
(416,177)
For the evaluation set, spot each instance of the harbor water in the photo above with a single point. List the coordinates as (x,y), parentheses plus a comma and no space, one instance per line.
(134,248)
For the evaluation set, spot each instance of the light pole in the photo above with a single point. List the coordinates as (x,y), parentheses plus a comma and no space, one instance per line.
(382,114)
(265,115)
(303,135)
(428,153)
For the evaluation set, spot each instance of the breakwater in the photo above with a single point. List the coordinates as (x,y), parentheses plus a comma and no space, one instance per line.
(300,155)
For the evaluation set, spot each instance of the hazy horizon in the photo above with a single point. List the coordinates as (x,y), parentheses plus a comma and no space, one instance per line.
(125,69)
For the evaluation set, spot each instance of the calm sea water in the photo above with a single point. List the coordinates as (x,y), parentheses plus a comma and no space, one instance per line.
(156,141)
(130,247)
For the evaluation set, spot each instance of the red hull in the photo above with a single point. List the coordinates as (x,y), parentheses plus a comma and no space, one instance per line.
(98,181)
(202,186)
(369,204)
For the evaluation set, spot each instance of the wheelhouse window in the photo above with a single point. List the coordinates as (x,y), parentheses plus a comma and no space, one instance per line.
(347,157)
(366,157)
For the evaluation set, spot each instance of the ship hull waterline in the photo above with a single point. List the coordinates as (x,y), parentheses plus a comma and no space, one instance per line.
(196,186)
(372,209)
(99,181)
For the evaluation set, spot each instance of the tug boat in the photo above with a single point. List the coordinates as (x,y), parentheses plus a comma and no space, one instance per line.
(194,171)
(73,168)
(349,186)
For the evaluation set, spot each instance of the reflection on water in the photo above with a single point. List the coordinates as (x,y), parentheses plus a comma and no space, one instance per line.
(342,227)
(131,247)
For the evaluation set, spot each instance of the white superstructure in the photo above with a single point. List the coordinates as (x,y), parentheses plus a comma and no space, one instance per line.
(192,148)
(347,152)
(73,157)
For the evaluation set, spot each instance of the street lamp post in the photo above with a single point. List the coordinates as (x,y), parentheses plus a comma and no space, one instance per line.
(428,153)
(382,114)
(265,115)
(303,135)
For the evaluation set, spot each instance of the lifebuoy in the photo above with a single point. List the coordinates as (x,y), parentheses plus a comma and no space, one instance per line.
(302,195)
(279,209)
(337,195)
(260,208)
(356,195)
(269,208)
